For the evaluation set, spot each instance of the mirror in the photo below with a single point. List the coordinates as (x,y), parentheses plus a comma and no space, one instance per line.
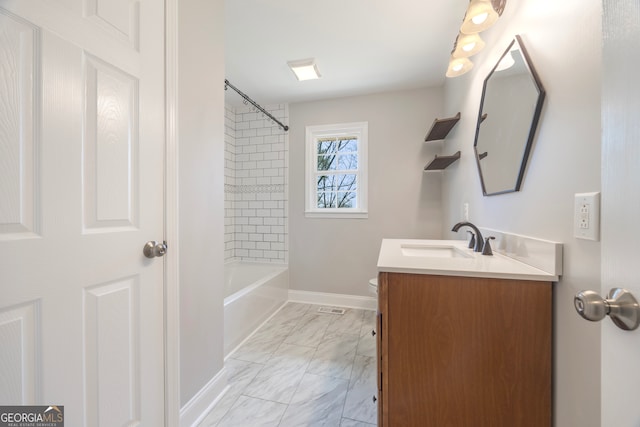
(512,98)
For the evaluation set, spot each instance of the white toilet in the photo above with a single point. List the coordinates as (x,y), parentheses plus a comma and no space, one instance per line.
(373,286)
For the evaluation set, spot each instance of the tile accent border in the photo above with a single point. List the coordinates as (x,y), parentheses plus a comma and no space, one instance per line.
(265,188)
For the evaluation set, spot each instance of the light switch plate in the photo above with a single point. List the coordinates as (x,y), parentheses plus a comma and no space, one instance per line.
(586,216)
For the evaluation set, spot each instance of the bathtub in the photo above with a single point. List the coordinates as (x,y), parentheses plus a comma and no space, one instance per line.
(253,292)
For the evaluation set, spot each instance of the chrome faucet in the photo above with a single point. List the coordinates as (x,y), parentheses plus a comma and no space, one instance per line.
(479,238)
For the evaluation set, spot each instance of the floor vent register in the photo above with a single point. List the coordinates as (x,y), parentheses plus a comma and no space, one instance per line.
(331,310)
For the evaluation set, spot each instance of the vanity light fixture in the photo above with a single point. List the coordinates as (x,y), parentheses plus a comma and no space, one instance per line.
(467,45)
(458,66)
(480,15)
(304,69)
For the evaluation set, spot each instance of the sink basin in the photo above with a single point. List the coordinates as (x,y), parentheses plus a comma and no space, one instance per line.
(433,251)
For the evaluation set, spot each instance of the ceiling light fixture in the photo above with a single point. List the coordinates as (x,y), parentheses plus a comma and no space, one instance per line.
(304,69)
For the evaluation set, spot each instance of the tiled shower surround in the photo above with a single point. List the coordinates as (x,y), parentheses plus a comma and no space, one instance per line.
(256,190)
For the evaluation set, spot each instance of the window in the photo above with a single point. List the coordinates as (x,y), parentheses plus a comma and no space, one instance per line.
(336,170)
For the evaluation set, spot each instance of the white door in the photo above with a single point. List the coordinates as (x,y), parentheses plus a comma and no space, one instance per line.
(81,191)
(620,206)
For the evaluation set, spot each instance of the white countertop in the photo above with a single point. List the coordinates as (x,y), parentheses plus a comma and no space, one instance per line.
(391,259)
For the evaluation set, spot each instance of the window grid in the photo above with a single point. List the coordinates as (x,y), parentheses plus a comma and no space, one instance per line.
(336,170)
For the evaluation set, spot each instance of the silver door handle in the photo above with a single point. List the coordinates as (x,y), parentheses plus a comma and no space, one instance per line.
(620,306)
(154,249)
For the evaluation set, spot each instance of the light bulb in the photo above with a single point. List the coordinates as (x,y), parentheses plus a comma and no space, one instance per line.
(479,19)
(457,67)
(469,46)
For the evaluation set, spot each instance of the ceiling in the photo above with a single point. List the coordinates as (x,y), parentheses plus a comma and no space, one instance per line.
(360,46)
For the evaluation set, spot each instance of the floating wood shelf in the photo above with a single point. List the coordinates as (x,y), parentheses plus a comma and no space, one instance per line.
(441,128)
(441,162)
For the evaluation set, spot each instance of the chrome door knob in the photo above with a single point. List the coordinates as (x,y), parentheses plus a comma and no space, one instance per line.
(591,305)
(620,305)
(154,249)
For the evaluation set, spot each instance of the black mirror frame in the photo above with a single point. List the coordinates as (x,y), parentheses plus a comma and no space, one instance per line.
(534,121)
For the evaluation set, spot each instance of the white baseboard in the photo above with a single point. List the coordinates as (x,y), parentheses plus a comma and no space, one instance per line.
(196,409)
(340,300)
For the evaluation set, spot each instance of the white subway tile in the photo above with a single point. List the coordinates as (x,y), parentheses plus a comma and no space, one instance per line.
(265,164)
(277,229)
(263,245)
(270,205)
(264,180)
(257,221)
(271,221)
(240,126)
(255,237)
(241,252)
(263,229)
(256,254)
(270,254)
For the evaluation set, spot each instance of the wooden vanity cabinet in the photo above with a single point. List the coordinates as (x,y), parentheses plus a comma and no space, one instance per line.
(463,351)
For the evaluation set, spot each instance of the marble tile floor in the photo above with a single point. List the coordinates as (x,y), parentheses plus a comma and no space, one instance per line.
(302,368)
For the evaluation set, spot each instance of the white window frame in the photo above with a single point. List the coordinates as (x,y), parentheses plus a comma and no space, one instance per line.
(312,134)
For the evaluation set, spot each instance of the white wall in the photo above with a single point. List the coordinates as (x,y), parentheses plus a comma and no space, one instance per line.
(340,255)
(564,42)
(201,193)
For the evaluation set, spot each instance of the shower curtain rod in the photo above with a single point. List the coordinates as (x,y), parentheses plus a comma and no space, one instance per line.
(248,99)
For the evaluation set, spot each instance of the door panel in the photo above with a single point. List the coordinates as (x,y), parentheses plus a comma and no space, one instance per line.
(111,140)
(18,334)
(111,321)
(81,161)
(19,145)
